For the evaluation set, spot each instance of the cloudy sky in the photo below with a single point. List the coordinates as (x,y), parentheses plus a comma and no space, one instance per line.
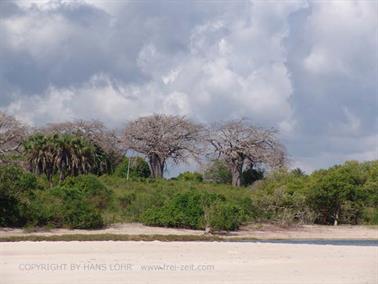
(308,68)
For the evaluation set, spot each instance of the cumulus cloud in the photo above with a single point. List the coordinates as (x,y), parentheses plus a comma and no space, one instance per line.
(307,68)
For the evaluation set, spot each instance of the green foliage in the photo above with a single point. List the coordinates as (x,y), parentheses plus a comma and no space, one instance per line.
(196,210)
(64,206)
(95,192)
(184,210)
(337,194)
(16,187)
(138,168)
(281,197)
(65,155)
(190,176)
(370,215)
(224,216)
(218,172)
(347,192)
(249,176)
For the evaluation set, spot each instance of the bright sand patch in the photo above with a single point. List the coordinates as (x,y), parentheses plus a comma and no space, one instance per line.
(223,262)
(252,231)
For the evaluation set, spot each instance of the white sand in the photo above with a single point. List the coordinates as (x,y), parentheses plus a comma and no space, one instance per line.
(232,262)
(265,231)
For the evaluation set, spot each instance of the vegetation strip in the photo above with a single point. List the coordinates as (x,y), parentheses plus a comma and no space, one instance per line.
(76,175)
(111,237)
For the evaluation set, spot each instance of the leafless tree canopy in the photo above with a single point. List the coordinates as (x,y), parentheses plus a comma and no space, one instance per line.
(12,133)
(161,137)
(243,145)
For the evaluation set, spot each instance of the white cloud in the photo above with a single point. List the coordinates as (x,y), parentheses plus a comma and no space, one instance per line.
(298,66)
(340,31)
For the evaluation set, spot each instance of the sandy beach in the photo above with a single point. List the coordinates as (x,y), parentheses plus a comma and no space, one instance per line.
(192,262)
(186,262)
(252,231)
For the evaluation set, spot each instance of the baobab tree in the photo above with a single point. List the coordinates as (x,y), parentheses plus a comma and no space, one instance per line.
(12,133)
(161,138)
(242,146)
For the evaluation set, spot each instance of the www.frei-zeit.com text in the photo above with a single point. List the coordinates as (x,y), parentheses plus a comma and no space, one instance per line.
(112,267)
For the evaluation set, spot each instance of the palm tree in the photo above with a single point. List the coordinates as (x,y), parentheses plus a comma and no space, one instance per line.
(63,154)
(40,154)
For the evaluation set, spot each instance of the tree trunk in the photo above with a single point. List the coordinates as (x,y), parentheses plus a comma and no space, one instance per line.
(336,217)
(236,172)
(156,166)
(62,176)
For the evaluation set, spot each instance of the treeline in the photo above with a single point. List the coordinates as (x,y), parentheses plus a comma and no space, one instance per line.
(82,147)
(77,175)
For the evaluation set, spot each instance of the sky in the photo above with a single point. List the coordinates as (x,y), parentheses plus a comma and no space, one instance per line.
(307,68)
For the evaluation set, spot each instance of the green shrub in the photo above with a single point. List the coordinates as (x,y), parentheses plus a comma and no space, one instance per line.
(16,188)
(138,168)
(336,193)
(94,191)
(370,216)
(65,207)
(218,172)
(224,216)
(281,198)
(196,210)
(127,199)
(190,176)
(184,210)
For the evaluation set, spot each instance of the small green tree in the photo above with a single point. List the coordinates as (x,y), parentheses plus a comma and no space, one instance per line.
(332,192)
(217,171)
(138,168)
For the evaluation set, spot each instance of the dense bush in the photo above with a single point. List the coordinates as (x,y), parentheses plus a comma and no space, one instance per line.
(337,194)
(190,176)
(281,198)
(78,202)
(347,193)
(184,210)
(94,191)
(138,168)
(217,172)
(224,216)
(16,188)
(64,206)
(196,210)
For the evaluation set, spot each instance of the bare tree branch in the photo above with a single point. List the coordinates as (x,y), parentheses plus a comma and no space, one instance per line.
(163,137)
(242,145)
(12,133)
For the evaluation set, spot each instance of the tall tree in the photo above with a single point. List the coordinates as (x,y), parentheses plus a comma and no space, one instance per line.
(161,138)
(12,133)
(242,145)
(107,144)
(39,152)
(66,155)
